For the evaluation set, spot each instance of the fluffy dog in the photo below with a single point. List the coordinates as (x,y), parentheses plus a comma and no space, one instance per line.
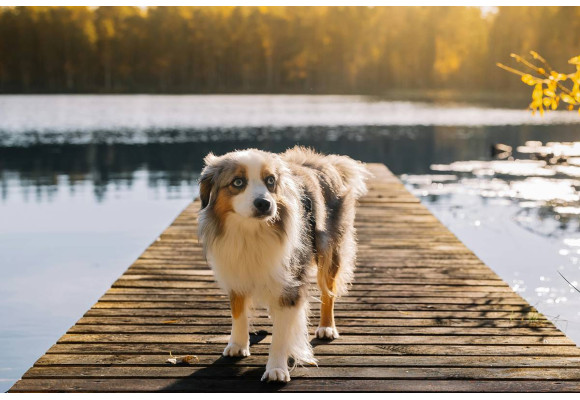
(265,219)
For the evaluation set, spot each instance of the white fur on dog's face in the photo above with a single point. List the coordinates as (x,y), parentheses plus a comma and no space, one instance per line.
(243,203)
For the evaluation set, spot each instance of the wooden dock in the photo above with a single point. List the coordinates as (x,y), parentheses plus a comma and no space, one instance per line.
(424,314)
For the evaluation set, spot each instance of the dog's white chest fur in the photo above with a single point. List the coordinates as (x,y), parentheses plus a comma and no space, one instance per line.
(248,259)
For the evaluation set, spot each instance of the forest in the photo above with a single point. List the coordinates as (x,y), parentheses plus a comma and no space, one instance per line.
(313,50)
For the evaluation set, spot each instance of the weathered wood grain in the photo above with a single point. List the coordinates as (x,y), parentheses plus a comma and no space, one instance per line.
(252,384)
(424,315)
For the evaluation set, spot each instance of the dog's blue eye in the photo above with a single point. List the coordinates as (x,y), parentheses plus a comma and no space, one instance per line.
(238,182)
(270,180)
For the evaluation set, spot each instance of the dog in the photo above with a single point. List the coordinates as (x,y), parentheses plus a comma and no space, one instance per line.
(266,219)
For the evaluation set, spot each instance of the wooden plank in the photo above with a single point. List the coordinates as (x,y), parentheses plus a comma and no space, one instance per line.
(437,361)
(362,305)
(354,339)
(355,295)
(322,372)
(424,314)
(154,317)
(545,330)
(500,349)
(252,384)
(105,323)
(401,308)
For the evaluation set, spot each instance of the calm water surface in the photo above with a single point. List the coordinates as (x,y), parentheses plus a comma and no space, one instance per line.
(87,182)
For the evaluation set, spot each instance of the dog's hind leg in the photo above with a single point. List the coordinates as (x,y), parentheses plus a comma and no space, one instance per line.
(289,339)
(239,344)
(335,273)
(327,270)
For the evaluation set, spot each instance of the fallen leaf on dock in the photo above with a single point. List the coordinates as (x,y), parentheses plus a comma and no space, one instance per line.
(182,359)
(171,321)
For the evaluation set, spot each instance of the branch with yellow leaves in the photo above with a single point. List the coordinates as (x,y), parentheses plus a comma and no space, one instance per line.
(549,86)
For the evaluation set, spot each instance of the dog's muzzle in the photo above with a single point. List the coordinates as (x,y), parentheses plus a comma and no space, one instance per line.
(263,207)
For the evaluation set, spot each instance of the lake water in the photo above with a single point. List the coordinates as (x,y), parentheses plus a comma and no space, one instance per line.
(88,182)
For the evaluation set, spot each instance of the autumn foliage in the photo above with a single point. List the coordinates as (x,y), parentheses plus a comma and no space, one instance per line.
(550,87)
(360,50)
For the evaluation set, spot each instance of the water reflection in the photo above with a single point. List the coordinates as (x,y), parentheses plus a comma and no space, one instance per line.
(521,215)
(37,171)
(405,149)
(542,190)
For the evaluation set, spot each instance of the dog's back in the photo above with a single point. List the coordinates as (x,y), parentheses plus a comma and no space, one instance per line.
(332,184)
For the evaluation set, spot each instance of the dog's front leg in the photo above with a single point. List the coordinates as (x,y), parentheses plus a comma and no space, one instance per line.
(289,338)
(239,344)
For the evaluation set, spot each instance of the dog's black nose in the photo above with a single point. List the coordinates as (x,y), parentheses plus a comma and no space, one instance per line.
(262,205)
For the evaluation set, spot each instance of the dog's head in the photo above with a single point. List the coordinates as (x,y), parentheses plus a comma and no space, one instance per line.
(249,183)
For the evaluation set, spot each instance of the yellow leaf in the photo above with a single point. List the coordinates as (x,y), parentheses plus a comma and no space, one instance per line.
(547,101)
(528,79)
(549,93)
(557,76)
(574,60)
(538,92)
(567,99)
(541,71)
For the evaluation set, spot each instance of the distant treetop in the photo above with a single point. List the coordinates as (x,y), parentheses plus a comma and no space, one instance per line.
(313,50)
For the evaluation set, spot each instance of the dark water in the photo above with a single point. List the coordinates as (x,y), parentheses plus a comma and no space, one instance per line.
(77,207)
(404,149)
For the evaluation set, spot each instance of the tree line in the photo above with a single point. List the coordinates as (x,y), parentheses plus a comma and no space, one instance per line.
(367,50)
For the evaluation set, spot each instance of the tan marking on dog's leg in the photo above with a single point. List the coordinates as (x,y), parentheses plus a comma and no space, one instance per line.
(237,303)
(327,310)
(239,343)
(327,328)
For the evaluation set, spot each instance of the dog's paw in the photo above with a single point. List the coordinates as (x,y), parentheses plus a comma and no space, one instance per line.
(235,350)
(276,375)
(326,332)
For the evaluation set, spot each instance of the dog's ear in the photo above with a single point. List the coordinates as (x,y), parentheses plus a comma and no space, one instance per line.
(210,159)
(205,186)
(206,179)
(285,183)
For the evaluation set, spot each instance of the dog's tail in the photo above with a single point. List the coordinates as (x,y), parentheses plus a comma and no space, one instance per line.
(354,174)
(336,263)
